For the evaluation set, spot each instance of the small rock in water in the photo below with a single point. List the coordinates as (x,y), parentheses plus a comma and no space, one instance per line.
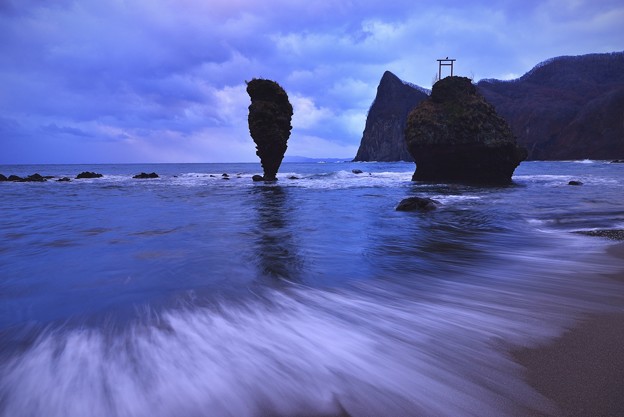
(257,178)
(357,171)
(88,174)
(575,183)
(225,175)
(35,178)
(64,179)
(417,204)
(293,177)
(3,178)
(144,175)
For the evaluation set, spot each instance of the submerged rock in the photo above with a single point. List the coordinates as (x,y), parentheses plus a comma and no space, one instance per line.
(144,175)
(575,183)
(455,135)
(613,234)
(88,174)
(64,179)
(417,204)
(270,114)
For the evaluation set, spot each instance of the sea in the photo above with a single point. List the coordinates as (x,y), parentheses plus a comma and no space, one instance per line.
(203,293)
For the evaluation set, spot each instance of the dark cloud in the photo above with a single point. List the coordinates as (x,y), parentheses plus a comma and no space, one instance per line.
(151,78)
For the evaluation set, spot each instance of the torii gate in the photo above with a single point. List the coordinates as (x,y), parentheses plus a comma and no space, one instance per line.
(446,62)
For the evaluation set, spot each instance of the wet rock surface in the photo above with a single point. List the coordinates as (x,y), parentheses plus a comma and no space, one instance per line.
(417,204)
(143,176)
(88,174)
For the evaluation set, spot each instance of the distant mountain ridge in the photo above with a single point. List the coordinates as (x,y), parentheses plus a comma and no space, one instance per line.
(569,107)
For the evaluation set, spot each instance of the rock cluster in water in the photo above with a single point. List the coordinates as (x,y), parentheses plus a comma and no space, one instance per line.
(455,135)
(270,114)
(30,178)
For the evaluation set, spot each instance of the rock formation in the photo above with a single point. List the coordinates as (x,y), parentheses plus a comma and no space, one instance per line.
(31,178)
(88,174)
(384,135)
(417,204)
(564,108)
(269,119)
(145,176)
(455,135)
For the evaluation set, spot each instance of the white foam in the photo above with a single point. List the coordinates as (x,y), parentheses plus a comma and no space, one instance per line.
(372,351)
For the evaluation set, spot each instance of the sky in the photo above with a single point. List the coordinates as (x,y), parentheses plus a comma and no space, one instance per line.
(141,81)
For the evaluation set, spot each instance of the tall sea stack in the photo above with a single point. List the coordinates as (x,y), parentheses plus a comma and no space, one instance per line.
(269,119)
(455,135)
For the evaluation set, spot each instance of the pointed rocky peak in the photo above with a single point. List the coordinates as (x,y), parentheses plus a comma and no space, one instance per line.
(389,78)
(383,138)
(390,87)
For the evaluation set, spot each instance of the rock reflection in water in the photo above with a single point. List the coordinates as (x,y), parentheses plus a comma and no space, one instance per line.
(275,246)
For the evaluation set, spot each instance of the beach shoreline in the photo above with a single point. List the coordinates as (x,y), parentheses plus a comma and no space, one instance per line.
(582,372)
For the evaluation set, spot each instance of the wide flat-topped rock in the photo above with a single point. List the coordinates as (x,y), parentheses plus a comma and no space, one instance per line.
(455,135)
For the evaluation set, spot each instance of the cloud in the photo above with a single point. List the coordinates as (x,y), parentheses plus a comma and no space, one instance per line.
(155,80)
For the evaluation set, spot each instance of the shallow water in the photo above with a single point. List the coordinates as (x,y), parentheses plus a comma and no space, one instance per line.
(196,295)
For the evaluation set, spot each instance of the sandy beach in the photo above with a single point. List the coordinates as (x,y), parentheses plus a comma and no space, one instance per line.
(582,372)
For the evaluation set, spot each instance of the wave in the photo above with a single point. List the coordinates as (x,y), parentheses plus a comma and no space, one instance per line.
(368,350)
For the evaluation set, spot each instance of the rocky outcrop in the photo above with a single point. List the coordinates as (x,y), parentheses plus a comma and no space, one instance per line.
(455,135)
(31,178)
(270,114)
(145,176)
(88,174)
(384,134)
(565,108)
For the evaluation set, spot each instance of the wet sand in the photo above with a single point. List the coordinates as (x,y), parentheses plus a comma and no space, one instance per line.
(583,371)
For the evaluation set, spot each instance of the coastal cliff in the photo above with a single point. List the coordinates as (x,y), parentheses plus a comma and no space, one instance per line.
(456,135)
(384,135)
(564,108)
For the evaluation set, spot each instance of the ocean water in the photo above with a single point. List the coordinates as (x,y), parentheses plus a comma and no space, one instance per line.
(196,295)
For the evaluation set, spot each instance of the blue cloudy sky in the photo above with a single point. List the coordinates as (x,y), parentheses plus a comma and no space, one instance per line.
(92,81)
